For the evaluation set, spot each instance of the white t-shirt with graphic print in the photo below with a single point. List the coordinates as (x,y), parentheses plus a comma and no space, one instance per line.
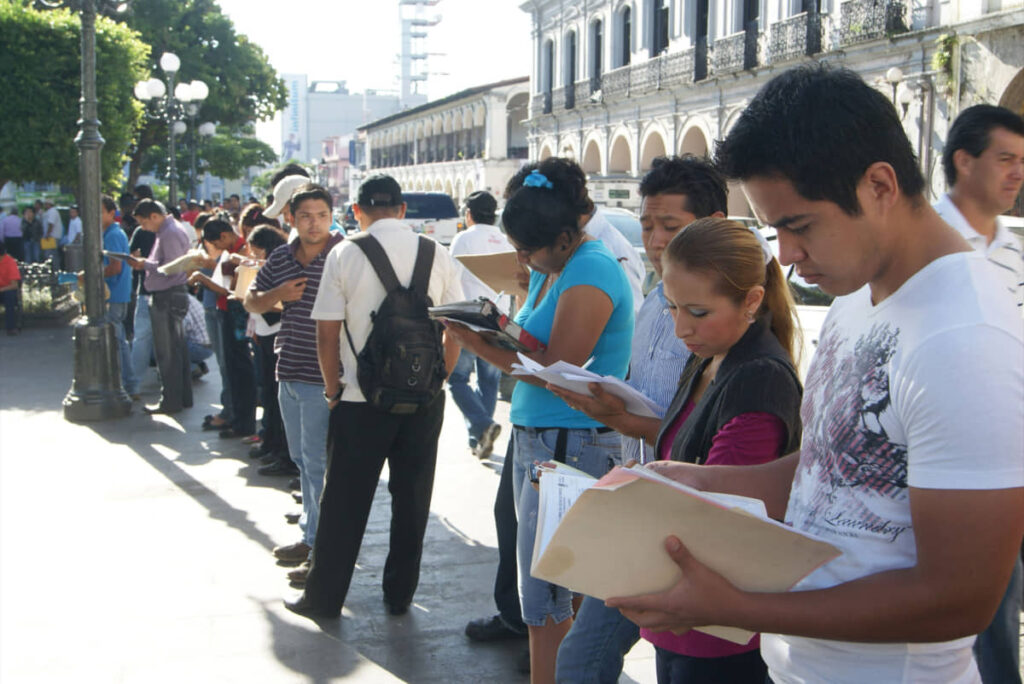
(924,390)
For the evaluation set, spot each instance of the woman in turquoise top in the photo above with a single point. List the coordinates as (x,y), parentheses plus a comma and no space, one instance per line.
(580,306)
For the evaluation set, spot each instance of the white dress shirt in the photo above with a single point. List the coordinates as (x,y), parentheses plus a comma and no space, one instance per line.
(350,290)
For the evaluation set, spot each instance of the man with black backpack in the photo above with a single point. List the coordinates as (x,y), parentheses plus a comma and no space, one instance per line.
(371,314)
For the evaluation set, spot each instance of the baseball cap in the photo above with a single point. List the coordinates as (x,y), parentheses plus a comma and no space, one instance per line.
(380,190)
(283,192)
(481,202)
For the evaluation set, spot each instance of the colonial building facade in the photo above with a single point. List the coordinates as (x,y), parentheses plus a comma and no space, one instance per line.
(616,83)
(472,140)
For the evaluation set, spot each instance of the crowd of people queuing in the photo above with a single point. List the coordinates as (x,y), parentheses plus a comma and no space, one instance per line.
(903,446)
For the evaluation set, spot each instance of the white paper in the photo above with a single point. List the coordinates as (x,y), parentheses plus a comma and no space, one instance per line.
(559,490)
(575,379)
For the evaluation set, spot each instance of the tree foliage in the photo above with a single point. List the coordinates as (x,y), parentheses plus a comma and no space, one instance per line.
(40,78)
(244,87)
(220,155)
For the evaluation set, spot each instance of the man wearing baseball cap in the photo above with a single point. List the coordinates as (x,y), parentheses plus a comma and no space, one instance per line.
(477,405)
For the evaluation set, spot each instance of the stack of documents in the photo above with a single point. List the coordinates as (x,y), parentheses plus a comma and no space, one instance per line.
(483,316)
(577,379)
(605,538)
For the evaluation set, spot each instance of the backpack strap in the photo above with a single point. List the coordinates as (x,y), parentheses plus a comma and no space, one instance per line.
(379,260)
(424,262)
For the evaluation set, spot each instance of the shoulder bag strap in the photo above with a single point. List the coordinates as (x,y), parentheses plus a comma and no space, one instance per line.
(424,262)
(379,260)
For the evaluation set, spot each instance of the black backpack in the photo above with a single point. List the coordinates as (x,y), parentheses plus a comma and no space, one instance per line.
(401,368)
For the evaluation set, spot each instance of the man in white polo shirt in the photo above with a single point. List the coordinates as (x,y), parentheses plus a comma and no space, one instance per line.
(362,436)
(984,165)
(477,405)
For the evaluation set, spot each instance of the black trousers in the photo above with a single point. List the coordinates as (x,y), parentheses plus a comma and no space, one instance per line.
(15,246)
(273,425)
(506,580)
(167,316)
(360,439)
(241,371)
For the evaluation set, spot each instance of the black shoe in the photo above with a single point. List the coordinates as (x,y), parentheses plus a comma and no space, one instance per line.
(397,609)
(492,629)
(297,496)
(256,451)
(283,466)
(304,607)
(292,518)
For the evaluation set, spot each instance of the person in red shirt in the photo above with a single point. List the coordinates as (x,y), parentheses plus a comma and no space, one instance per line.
(10,279)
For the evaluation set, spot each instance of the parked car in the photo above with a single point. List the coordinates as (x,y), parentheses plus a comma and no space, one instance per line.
(628,224)
(433,214)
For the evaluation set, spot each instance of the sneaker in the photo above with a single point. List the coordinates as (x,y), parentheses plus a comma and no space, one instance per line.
(492,629)
(292,553)
(486,444)
(282,466)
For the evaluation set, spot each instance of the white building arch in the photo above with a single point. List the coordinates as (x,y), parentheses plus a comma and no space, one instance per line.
(695,140)
(620,156)
(653,145)
(593,160)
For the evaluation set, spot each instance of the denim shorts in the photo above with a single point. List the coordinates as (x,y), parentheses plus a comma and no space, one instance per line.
(587,450)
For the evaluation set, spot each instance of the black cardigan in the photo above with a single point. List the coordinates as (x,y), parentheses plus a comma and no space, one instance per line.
(756,375)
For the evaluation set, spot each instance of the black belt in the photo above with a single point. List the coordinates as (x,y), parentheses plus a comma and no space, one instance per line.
(562,440)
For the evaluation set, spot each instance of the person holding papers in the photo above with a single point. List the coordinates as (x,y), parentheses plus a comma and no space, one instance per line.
(579,306)
(737,404)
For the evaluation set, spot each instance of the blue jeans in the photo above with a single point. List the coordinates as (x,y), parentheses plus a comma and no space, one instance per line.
(142,345)
(997,649)
(213,328)
(116,312)
(10,299)
(476,405)
(586,449)
(32,253)
(306,417)
(596,645)
(198,352)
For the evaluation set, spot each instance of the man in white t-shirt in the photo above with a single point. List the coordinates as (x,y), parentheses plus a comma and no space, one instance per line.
(477,405)
(911,460)
(983,161)
(361,436)
(53,227)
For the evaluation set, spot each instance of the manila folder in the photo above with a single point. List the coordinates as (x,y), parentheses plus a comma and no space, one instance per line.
(611,543)
(497,270)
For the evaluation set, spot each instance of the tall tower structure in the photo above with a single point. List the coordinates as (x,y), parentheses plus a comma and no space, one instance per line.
(415,25)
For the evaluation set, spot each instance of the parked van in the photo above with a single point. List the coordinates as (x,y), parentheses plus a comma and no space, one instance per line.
(433,214)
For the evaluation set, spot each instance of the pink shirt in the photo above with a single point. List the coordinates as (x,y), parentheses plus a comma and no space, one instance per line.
(747,439)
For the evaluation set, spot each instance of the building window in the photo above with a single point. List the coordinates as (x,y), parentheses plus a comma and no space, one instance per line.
(596,49)
(626,33)
(570,59)
(659,34)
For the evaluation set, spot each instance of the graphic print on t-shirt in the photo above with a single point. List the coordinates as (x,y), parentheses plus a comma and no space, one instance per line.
(852,454)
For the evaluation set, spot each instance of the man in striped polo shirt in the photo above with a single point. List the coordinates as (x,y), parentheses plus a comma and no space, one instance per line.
(291,277)
(984,166)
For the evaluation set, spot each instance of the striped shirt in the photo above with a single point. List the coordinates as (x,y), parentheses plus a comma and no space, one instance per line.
(656,362)
(296,342)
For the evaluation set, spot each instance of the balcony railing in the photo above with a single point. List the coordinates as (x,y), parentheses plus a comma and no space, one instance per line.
(864,20)
(795,37)
(558,99)
(582,89)
(730,53)
(615,83)
(677,68)
(540,103)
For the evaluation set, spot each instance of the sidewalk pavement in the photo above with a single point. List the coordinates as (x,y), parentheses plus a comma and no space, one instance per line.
(138,550)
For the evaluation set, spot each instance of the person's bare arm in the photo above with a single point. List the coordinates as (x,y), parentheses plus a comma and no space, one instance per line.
(112,268)
(328,352)
(580,317)
(966,542)
(611,411)
(451,352)
(198,278)
(261,302)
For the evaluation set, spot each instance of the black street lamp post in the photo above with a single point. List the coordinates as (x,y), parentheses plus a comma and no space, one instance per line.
(96,392)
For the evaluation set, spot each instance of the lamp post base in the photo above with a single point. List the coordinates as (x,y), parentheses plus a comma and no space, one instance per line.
(96,392)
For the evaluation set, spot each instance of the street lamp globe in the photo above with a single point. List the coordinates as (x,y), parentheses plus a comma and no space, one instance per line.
(142,90)
(156,88)
(169,62)
(179,127)
(183,92)
(894,75)
(207,129)
(200,91)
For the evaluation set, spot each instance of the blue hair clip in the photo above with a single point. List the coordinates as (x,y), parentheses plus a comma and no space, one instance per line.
(536,179)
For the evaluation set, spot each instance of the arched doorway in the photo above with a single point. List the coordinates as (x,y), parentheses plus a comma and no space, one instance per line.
(619,161)
(654,147)
(694,143)
(592,158)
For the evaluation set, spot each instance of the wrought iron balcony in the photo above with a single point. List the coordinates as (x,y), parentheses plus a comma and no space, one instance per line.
(730,53)
(795,37)
(615,83)
(582,92)
(677,68)
(864,20)
(558,102)
(645,77)
(540,104)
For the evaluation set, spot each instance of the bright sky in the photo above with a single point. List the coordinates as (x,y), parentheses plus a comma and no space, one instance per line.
(359,41)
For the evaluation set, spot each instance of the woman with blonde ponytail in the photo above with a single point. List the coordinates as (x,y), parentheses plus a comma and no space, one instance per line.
(738,401)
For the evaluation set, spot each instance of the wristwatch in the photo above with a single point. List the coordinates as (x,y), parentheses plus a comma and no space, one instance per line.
(336,397)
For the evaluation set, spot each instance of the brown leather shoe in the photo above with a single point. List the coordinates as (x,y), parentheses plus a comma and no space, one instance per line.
(292,553)
(299,574)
